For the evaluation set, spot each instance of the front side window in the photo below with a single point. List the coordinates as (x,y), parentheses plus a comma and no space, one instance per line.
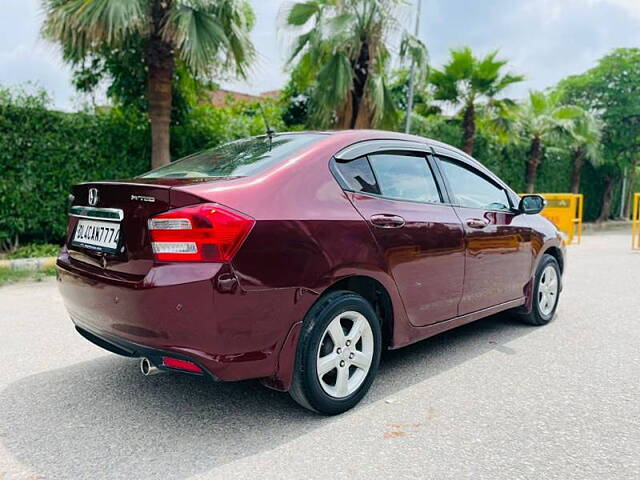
(473,190)
(405,177)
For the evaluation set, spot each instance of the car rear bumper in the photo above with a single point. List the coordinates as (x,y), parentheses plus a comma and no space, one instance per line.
(194,312)
(129,349)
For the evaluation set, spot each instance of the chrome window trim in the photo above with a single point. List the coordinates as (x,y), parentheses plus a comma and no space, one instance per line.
(394,199)
(367,147)
(96,213)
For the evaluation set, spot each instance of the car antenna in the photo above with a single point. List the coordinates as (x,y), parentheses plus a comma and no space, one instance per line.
(270,131)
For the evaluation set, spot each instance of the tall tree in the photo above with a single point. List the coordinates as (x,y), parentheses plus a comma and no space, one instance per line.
(342,50)
(541,118)
(585,144)
(612,88)
(423,105)
(467,81)
(200,34)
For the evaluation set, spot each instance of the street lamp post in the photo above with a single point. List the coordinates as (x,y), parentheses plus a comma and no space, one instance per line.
(407,124)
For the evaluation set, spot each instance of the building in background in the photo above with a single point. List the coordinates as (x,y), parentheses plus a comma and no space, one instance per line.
(222,98)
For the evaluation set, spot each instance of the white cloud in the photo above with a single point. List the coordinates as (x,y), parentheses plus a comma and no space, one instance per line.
(26,58)
(630,6)
(545,39)
(268,73)
(37,65)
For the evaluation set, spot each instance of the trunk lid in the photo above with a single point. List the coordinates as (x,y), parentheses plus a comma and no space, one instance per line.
(134,202)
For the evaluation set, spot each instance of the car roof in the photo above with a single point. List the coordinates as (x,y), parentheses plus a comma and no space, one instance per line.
(362,135)
(357,135)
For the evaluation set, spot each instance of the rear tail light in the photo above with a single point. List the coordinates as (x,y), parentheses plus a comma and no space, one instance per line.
(181,364)
(199,233)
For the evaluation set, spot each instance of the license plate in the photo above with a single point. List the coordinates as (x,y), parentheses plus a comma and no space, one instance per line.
(98,236)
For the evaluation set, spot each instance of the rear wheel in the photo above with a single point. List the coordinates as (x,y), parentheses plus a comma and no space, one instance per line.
(338,353)
(546,292)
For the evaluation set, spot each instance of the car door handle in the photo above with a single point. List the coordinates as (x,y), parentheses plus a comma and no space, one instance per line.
(476,223)
(387,221)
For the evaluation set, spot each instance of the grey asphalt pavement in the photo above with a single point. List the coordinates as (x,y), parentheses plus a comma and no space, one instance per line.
(491,400)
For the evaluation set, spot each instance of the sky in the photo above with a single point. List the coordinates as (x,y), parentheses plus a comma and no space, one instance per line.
(544,39)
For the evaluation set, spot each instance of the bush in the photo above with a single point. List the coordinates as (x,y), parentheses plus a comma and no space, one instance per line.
(8,275)
(206,126)
(44,152)
(33,250)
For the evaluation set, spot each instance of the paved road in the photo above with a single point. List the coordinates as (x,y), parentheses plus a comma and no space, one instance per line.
(494,399)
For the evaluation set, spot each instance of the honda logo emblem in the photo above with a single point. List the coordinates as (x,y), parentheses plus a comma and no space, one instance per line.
(93,196)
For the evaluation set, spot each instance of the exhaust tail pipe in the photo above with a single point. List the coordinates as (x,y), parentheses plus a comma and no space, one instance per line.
(147,368)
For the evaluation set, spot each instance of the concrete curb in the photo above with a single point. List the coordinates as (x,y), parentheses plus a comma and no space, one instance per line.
(28,263)
(609,225)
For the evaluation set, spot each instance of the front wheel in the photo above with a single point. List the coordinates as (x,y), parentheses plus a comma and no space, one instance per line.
(546,292)
(338,353)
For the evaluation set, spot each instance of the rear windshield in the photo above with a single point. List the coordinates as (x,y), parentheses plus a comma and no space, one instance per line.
(241,158)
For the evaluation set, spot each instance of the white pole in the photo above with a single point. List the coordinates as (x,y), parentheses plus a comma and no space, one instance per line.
(407,124)
(623,193)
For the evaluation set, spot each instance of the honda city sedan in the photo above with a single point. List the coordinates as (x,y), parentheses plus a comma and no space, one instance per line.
(297,258)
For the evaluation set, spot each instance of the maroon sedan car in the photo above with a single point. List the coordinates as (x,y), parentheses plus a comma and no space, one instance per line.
(297,258)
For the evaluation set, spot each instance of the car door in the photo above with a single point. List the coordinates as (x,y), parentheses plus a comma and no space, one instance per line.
(420,236)
(497,245)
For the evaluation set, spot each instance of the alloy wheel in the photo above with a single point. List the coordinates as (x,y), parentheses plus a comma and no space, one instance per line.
(548,290)
(345,354)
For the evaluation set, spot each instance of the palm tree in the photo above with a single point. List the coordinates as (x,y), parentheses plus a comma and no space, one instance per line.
(541,118)
(198,33)
(342,48)
(585,141)
(466,82)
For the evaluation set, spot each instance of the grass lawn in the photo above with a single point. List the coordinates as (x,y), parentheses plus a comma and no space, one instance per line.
(8,275)
(32,250)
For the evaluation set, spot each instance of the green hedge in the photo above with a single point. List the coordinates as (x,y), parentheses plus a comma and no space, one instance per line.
(206,126)
(44,152)
(33,250)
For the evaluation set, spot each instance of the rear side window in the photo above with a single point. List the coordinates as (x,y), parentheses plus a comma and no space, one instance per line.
(405,177)
(473,190)
(241,158)
(359,176)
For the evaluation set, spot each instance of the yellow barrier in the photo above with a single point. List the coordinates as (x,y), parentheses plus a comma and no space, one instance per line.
(635,223)
(565,211)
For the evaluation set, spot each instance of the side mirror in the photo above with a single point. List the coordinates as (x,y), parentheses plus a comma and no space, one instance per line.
(532,204)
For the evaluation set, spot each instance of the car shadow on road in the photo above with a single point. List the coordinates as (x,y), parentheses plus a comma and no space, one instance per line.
(101,418)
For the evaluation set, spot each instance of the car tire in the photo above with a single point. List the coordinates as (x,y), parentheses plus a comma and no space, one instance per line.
(331,374)
(546,292)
